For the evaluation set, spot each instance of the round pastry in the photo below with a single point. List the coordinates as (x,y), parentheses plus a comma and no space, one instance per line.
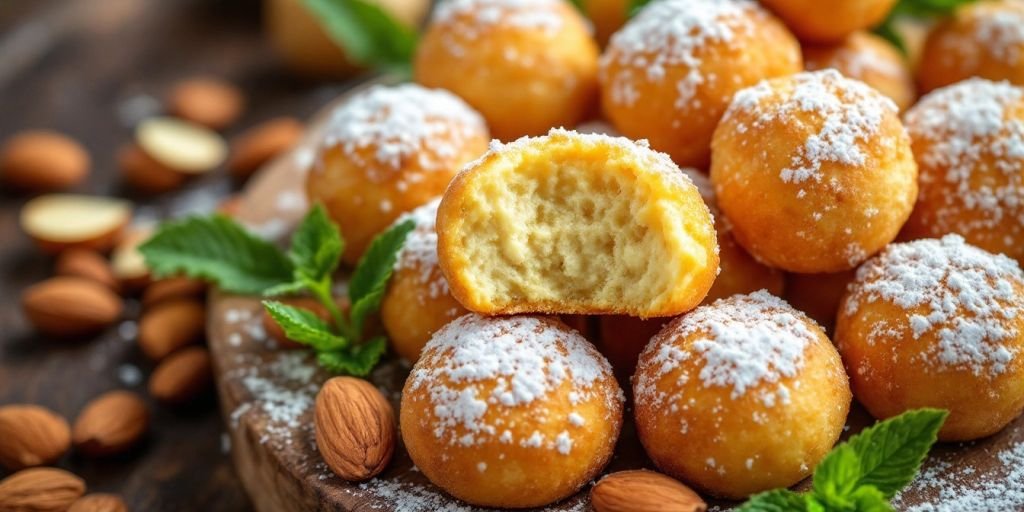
(526,65)
(814,171)
(569,223)
(740,396)
(870,59)
(983,39)
(829,22)
(668,75)
(510,411)
(818,295)
(417,302)
(937,323)
(968,139)
(398,147)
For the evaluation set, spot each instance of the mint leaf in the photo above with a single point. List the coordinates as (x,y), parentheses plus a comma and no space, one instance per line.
(779,500)
(635,6)
(303,326)
(870,499)
(219,250)
(368,34)
(917,9)
(291,288)
(358,360)
(837,476)
(370,278)
(316,245)
(890,452)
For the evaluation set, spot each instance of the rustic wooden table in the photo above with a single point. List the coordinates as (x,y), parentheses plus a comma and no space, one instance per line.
(91,68)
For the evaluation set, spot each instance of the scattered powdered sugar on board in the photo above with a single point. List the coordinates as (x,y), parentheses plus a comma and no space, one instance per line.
(419,252)
(967,297)
(972,130)
(744,342)
(844,115)
(394,124)
(283,391)
(962,487)
(674,34)
(520,360)
(400,496)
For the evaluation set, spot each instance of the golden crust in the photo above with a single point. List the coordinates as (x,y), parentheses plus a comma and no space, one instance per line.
(869,58)
(829,22)
(818,295)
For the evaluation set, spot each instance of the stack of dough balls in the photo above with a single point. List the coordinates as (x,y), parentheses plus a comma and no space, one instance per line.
(740,396)
(510,411)
(668,75)
(814,171)
(937,323)
(526,65)
(398,147)
(969,144)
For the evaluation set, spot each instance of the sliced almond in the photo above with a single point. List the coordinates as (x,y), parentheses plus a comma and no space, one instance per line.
(127,263)
(182,377)
(144,174)
(180,145)
(62,221)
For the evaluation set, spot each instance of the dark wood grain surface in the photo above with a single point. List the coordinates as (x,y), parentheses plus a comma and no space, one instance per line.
(89,68)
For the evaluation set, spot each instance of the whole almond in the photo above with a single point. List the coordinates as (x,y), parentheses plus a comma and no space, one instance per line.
(99,502)
(31,435)
(144,174)
(210,102)
(355,428)
(181,377)
(110,424)
(643,491)
(173,288)
(40,490)
(70,306)
(261,143)
(43,161)
(88,264)
(170,326)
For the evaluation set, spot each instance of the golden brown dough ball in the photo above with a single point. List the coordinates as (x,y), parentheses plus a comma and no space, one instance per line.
(870,59)
(388,150)
(510,411)
(968,139)
(818,295)
(937,323)
(829,21)
(983,39)
(607,16)
(417,302)
(814,171)
(740,396)
(669,74)
(526,65)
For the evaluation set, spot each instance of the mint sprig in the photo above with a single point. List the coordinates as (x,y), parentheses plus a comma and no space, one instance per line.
(219,250)
(865,472)
(922,9)
(367,33)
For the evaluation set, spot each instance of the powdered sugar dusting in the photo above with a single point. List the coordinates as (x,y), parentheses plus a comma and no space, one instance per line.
(472,19)
(419,253)
(963,296)
(1000,30)
(964,487)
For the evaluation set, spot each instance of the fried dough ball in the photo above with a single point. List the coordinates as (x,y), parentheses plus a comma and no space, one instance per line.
(569,223)
(417,302)
(388,150)
(526,65)
(669,74)
(820,21)
(814,171)
(739,396)
(818,295)
(870,59)
(510,411)
(937,323)
(968,139)
(983,39)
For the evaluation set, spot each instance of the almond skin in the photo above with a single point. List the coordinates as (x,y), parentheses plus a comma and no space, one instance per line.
(261,143)
(43,161)
(40,490)
(210,102)
(87,264)
(170,326)
(70,306)
(31,436)
(144,174)
(173,288)
(643,491)
(355,428)
(110,424)
(182,377)
(99,503)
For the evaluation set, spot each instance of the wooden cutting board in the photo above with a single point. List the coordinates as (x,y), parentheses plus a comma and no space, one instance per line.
(267,395)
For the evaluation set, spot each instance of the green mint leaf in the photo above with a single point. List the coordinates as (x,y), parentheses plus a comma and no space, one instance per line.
(635,6)
(291,288)
(779,500)
(219,250)
(368,34)
(890,452)
(836,477)
(316,245)
(887,31)
(303,326)
(869,499)
(927,8)
(358,360)
(370,278)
